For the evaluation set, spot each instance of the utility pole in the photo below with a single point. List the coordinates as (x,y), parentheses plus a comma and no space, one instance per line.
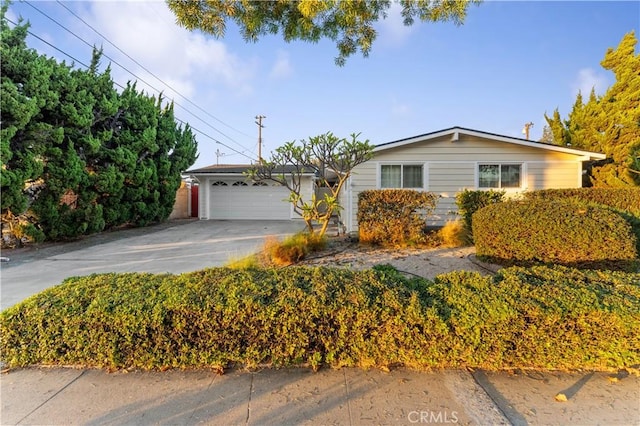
(218,155)
(526,128)
(260,126)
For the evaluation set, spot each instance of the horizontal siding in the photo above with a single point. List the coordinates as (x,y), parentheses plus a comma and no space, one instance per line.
(451,168)
(445,211)
(449,178)
(553,175)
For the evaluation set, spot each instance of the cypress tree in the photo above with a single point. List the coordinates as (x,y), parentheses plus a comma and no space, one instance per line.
(610,123)
(77,156)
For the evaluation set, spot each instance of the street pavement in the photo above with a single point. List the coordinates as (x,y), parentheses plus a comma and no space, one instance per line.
(346,396)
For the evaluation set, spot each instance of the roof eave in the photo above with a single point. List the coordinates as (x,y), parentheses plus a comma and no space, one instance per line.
(455,135)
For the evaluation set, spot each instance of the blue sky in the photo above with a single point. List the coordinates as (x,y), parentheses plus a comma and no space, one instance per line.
(507,65)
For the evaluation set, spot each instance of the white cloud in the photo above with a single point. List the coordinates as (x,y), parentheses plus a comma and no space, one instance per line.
(587,79)
(146,32)
(282,67)
(392,29)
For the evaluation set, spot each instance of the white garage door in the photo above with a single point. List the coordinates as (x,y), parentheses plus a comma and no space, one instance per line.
(229,201)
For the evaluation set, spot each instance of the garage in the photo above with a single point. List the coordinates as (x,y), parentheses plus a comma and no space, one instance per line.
(242,200)
(225,193)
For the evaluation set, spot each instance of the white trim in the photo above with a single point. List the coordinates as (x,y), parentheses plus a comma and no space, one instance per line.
(237,175)
(349,194)
(425,178)
(457,131)
(579,177)
(503,161)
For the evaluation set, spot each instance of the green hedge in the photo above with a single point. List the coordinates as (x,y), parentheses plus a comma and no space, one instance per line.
(625,199)
(469,202)
(568,233)
(549,318)
(394,217)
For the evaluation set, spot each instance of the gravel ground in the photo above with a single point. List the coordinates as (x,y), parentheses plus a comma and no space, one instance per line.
(424,262)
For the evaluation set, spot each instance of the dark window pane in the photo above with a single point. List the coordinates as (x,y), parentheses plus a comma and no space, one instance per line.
(412,177)
(489,176)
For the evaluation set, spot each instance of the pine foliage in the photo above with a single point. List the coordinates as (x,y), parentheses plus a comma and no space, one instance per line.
(609,123)
(77,156)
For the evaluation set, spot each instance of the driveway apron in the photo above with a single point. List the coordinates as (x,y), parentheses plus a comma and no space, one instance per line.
(177,247)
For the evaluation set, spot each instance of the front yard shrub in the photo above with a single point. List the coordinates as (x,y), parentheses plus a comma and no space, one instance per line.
(394,217)
(281,253)
(560,232)
(545,318)
(625,199)
(469,202)
(293,249)
(453,234)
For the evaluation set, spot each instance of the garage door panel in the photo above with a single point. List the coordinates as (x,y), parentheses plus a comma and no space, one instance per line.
(250,202)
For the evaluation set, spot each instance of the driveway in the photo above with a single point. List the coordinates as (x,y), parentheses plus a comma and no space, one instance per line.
(174,247)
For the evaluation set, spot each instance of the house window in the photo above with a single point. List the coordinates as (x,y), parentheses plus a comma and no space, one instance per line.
(219,183)
(500,176)
(401,176)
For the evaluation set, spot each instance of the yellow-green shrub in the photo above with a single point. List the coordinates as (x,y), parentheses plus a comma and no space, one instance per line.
(549,318)
(626,199)
(559,232)
(453,234)
(293,249)
(394,217)
(469,202)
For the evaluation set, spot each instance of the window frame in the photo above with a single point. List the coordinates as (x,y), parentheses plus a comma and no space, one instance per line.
(422,164)
(500,164)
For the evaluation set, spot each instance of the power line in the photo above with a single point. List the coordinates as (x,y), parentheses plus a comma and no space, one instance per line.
(51,45)
(147,70)
(126,69)
(122,87)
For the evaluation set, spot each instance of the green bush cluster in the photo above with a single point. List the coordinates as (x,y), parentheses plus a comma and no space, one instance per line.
(625,199)
(547,318)
(394,217)
(560,232)
(469,202)
(77,154)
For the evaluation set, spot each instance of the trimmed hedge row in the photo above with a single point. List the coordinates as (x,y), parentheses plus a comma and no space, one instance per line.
(568,233)
(394,217)
(625,199)
(545,318)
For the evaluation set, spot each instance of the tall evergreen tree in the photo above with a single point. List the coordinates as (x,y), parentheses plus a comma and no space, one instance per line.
(547,135)
(25,78)
(610,123)
(76,155)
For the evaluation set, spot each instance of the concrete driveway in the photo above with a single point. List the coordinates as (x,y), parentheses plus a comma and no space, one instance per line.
(175,247)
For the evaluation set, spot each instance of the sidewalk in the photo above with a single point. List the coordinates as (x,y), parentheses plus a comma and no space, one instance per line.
(299,396)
